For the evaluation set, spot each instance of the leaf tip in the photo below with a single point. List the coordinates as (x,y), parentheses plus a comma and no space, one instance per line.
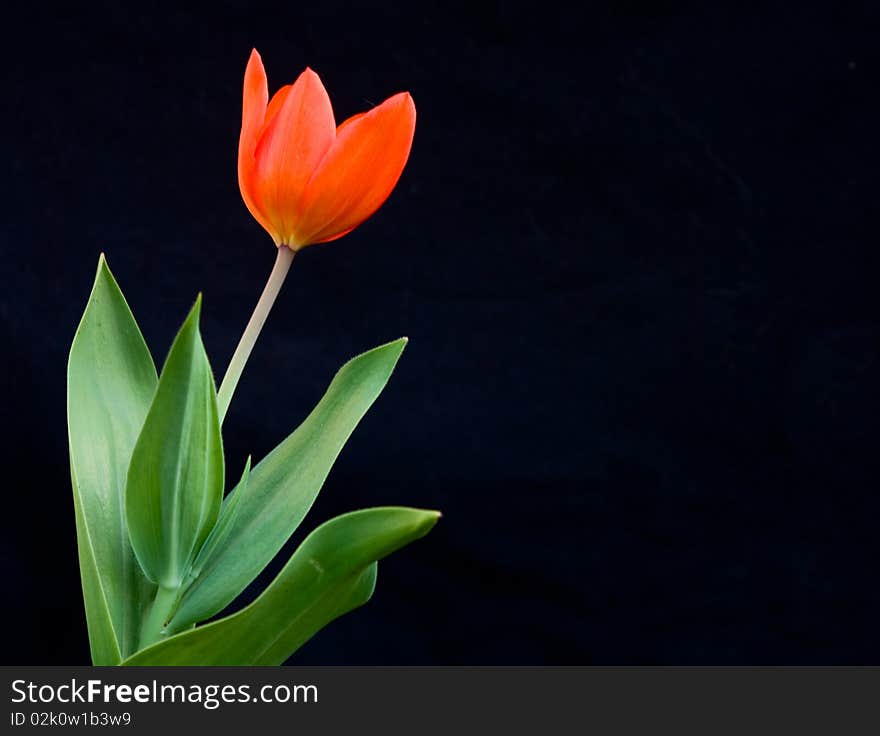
(196,311)
(429,520)
(103,266)
(399,344)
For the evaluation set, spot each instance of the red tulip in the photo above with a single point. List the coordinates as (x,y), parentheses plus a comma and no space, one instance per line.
(304,179)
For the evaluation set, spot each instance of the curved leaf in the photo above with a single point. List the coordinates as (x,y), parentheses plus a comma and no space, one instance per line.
(175,481)
(217,538)
(110,384)
(283,486)
(332,572)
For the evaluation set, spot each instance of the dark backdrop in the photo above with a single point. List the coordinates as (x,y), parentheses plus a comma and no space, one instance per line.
(635,250)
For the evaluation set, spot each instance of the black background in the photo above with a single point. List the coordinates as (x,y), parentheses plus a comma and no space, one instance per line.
(635,251)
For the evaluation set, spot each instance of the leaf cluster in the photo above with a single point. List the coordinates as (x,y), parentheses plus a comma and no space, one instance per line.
(161,549)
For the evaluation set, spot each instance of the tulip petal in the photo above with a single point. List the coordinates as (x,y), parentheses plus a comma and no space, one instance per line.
(298,130)
(359,171)
(254,101)
(275,105)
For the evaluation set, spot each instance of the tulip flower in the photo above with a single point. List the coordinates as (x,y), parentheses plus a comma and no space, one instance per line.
(304,179)
(307,181)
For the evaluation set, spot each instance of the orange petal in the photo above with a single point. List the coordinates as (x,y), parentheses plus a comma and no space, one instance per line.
(255,98)
(298,130)
(359,172)
(275,105)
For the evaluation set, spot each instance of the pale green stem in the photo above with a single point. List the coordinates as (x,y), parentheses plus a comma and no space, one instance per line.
(153,626)
(252,331)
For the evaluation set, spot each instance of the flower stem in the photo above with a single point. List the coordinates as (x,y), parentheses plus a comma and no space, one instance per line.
(153,625)
(252,331)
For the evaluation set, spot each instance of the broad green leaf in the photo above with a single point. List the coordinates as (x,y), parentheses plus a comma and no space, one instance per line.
(175,481)
(110,384)
(332,572)
(105,649)
(227,642)
(282,487)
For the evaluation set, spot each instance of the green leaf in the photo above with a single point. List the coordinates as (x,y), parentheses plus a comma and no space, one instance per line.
(282,487)
(217,538)
(175,480)
(332,572)
(110,384)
